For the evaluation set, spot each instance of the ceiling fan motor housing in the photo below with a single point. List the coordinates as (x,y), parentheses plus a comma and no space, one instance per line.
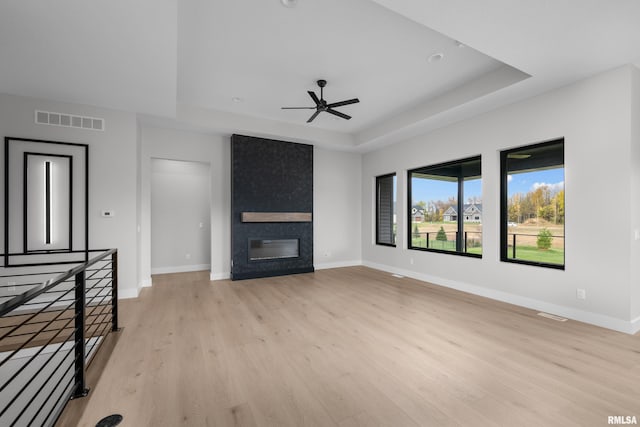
(322,106)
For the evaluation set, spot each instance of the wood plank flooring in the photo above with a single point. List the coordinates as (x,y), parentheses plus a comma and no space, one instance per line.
(355,347)
(24,330)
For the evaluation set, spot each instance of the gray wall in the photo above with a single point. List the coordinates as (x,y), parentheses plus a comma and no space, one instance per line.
(112,171)
(336,198)
(598,117)
(634,160)
(594,118)
(188,146)
(337,208)
(180,216)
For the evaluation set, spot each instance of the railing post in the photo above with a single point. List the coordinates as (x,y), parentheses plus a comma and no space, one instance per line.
(514,245)
(114,291)
(427,240)
(465,242)
(81,389)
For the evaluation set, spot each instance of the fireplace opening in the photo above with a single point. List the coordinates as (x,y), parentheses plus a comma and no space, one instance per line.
(262,249)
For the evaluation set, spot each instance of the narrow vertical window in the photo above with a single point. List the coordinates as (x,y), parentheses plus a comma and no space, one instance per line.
(386,210)
(532,205)
(47,202)
(445,207)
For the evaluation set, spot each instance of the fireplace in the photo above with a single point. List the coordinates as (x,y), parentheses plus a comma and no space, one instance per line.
(271,208)
(265,249)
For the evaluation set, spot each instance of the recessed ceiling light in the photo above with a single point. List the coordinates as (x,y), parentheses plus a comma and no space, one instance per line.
(289,3)
(236,99)
(436,57)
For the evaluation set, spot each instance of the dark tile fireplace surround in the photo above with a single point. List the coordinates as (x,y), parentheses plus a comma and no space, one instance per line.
(271,207)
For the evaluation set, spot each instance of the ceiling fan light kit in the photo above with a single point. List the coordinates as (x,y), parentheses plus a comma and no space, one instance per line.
(323,106)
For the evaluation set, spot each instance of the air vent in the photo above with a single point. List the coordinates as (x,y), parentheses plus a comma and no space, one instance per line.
(69,120)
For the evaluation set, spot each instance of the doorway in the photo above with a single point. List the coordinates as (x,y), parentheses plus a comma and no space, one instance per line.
(180,216)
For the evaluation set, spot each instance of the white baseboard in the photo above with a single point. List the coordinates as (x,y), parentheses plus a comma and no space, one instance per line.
(146,283)
(635,325)
(220,276)
(180,269)
(127,293)
(628,327)
(338,264)
(322,266)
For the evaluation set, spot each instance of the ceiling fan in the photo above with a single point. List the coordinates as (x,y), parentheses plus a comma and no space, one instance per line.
(321,104)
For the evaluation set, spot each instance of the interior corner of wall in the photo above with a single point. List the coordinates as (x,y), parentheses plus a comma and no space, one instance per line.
(620,325)
(128,293)
(338,264)
(219,276)
(635,325)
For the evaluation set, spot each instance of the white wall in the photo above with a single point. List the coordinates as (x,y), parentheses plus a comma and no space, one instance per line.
(180,216)
(599,119)
(112,171)
(189,146)
(635,194)
(593,117)
(120,169)
(139,208)
(337,208)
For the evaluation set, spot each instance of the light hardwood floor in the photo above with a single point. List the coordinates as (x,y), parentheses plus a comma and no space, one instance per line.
(355,347)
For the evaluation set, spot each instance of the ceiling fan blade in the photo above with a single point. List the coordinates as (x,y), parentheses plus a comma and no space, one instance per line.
(313,117)
(297,108)
(314,97)
(341,103)
(338,113)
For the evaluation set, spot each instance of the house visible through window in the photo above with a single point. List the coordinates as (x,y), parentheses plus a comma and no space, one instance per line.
(446,207)
(386,210)
(532,205)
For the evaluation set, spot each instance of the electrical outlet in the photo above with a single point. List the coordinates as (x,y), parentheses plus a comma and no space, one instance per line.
(411,261)
(581,293)
(201,225)
(636,234)
(187,256)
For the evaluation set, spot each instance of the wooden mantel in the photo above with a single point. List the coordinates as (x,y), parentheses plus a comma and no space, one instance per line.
(276,216)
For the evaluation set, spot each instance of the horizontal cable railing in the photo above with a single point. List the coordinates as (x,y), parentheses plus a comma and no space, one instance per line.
(541,247)
(52,323)
(447,240)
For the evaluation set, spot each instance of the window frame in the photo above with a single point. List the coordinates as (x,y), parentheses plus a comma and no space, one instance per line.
(504,211)
(377,215)
(460,208)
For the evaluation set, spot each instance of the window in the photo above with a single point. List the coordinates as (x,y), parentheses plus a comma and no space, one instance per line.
(532,205)
(386,210)
(445,205)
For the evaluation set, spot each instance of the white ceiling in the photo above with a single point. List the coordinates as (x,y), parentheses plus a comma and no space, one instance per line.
(118,54)
(180,63)
(269,56)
